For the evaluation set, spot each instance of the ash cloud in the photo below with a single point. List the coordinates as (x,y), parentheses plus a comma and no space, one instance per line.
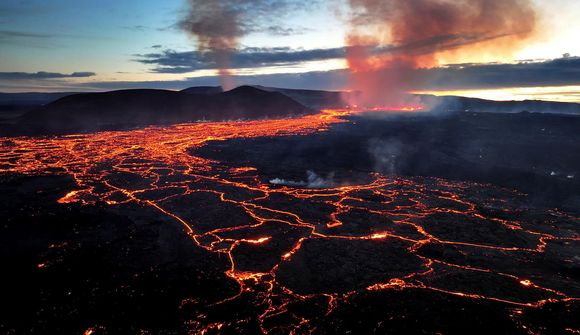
(426,29)
(218,25)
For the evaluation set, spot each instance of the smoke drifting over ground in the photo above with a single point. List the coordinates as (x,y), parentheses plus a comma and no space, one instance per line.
(385,154)
(391,38)
(313,181)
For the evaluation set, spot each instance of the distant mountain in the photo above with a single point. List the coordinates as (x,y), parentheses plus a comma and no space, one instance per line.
(453,103)
(129,108)
(31,98)
(48,113)
(312,98)
(315,99)
(203,90)
(331,99)
(15,104)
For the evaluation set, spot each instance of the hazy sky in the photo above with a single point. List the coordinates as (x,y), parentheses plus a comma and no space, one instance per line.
(107,44)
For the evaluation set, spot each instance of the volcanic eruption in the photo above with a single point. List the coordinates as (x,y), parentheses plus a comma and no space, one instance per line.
(265,210)
(215,26)
(218,25)
(389,41)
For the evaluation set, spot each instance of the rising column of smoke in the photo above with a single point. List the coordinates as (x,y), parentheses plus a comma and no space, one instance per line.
(215,25)
(390,39)
(218,25)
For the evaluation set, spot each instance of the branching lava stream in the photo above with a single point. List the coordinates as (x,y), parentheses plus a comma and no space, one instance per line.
(290,245)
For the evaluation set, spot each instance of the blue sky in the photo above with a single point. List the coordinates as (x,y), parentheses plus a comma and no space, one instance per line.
(104,35)
(111,44)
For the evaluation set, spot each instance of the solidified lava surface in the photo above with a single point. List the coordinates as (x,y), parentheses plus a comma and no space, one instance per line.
(135,232)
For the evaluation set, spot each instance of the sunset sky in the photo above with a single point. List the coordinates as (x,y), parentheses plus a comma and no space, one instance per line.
(95,45)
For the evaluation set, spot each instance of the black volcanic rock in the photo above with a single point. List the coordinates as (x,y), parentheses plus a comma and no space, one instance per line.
(536,153)
(331,265)
(130,108)
(312,98)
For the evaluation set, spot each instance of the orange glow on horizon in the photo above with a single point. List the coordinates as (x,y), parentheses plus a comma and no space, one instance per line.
(553,93)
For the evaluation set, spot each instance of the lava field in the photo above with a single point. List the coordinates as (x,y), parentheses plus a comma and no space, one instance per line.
(185,230)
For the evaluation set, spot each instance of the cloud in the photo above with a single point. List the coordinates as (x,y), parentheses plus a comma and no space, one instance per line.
(278,30)
(42,75)
(38,39)
(9,34)
(323,80)
(170,61)
(556,72)
(139,28)
(23,38)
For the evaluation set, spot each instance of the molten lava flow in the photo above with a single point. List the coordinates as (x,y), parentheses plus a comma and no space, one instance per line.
(258,241)
(156,167)
(68,198)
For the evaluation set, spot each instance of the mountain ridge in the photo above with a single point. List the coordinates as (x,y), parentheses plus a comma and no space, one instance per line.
(141,107)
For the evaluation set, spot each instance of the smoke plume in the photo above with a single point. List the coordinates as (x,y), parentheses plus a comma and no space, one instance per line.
(216,28)
(391,38)
(218,25)
(386,154)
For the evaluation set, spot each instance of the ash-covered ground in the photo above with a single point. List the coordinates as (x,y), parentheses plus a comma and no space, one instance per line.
(454,224)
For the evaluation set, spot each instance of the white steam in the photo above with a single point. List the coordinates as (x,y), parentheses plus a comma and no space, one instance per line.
(312,181)
(385,155)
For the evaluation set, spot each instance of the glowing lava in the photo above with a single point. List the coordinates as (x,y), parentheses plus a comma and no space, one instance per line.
(155,167)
